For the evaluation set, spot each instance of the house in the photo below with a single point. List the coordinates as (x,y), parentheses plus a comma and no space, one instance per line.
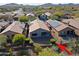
(39,32)
(59,29)
(48,13)
(73,23)
(16,16)
(4,23)
(11,30)
(67,15)
(18,13)
(7,16)
(30,14)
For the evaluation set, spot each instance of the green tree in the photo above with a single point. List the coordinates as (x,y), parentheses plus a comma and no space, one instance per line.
(19,39)
(59,14)
(56,15)
(10,51)
(37,48)
(50,8)
(58,8)
(31,18)
(76,15)
(3,39)
(40,12)
(29,40)
(24,19)
(53,17)
(48,52)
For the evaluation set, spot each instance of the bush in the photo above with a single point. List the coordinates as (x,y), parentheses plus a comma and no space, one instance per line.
(3,39)
(23,18)
(19,39)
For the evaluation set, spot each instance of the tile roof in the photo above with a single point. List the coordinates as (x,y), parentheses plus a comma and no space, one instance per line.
(72,22)
(14,27)
(36,24)
(4,23)
(57,25)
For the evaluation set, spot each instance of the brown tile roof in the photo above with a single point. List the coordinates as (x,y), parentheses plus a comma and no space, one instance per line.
(60,26)
(14,27)
(37,24)
(72,22)
(66,20)
(4,23)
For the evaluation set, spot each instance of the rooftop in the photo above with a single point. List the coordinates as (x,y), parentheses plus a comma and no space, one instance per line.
(36,24)
(72,22)
(3,23)
(57,25)
(14,27)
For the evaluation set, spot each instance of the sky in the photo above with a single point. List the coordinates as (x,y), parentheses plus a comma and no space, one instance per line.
(37,2)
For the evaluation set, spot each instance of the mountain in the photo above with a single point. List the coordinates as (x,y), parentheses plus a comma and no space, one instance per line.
(11,5)
(51,5)
(48,5)
(14,6)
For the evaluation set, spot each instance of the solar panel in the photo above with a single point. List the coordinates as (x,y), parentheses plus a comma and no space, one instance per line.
(54,23)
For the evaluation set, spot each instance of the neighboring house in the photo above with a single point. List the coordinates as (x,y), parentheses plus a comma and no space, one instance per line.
(4,23)
(30,14)
(18,13)
(73,23)
(59,28)
(14,28)
(7,16)
(39,32)
(67,16)
(16,16)
(48,13)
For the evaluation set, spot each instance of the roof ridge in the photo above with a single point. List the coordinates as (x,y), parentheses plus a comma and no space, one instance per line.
(9,27)
(12,25)
(38,23)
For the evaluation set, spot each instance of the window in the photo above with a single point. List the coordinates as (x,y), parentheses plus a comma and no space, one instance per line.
(34,34)
(62,33)
(43,33)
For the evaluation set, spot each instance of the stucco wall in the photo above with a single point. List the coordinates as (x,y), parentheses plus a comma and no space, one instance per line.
(65,31)
(38,32)
(57,33)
